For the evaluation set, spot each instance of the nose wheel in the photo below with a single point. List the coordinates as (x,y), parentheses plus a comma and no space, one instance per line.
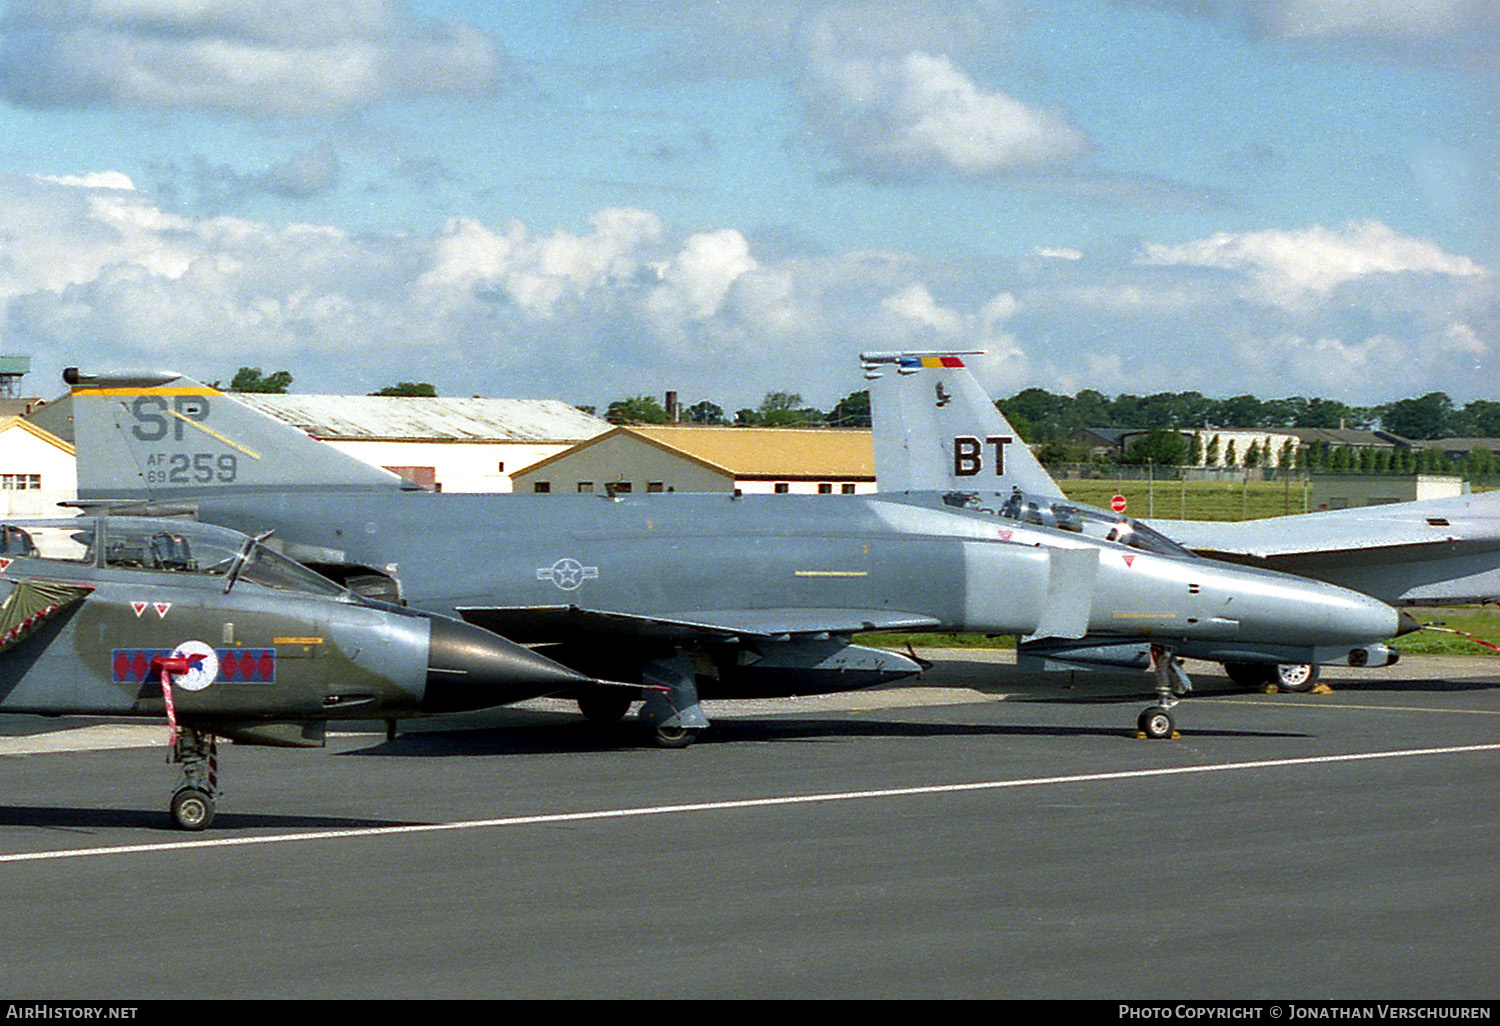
(192,809)
(1156,721)
(193,802)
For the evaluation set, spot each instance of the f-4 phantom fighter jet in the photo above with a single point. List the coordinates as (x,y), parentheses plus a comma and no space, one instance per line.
(938,437)
(754,595)
(125,616)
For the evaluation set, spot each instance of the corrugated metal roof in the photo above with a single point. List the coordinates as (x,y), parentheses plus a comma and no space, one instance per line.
(400,418)
(773,452)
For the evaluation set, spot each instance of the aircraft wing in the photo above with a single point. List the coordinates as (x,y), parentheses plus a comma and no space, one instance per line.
(1436,551)
(535,624)
(1390,532)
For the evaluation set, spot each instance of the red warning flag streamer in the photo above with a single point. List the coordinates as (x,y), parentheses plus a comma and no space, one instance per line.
(170,665)
(1462,634)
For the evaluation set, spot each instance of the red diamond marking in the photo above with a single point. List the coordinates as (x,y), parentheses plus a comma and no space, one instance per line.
(122,666)
(267,666)
(139,666)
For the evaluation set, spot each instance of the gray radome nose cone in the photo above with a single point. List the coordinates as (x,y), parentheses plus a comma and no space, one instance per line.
(1406,623)
(471,668)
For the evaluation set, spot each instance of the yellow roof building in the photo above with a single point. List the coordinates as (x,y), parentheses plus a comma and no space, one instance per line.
(710,459)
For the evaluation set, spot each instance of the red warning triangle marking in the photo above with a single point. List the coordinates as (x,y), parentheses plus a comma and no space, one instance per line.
(1129,560)
(5,565)
(1005,536)
(139,607)
(161,609)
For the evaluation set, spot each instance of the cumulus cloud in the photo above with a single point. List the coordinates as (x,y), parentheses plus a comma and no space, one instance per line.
(100,274)
(254,57)
(916,113)
(885,83)
(1290,267)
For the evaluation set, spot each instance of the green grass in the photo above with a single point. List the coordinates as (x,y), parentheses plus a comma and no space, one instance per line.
(1192,500)
(1480,621)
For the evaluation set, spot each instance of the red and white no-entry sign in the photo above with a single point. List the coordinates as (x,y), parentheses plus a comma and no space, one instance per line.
(1117,504)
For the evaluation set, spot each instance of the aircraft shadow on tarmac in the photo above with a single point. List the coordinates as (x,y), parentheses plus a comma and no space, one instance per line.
(573,737)
(54,817)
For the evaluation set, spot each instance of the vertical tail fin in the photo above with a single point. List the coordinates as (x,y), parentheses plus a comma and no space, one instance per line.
(935,429)
(161,436)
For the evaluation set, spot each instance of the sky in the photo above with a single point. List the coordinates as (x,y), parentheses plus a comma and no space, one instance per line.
(589,200)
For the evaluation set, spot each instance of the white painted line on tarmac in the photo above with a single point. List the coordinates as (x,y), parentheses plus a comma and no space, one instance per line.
(1313,703)
(724,806)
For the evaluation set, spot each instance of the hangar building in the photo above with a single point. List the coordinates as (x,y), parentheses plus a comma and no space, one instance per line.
(680,458)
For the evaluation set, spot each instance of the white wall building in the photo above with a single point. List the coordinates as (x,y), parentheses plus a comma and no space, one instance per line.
(452,444)
(37,471)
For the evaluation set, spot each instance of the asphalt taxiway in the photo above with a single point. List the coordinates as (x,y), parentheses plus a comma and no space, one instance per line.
(977,834)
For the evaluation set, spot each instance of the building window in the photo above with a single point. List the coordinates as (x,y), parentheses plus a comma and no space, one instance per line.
(542,487)
(782,488)
(655,486)
(20,482)
(618,488)
(500,467)
(847,488)
(824,488)
(585,487)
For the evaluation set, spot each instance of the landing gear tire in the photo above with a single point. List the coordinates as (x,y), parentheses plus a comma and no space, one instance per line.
(673,737)
(1296,676)
(1251,675)
(604,709)
(1156,723)
(192,809)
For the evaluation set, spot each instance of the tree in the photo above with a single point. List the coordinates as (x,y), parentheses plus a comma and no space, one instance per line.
(851,411)
(1211,455)
(1163,447)
(640,409)
(705,413)
(1427,417)
(411,389)
(250,379)
(785,409)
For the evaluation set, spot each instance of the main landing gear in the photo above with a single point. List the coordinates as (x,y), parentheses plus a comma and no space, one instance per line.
(1297,677)
(1172,682)
(670,713)
(193,801)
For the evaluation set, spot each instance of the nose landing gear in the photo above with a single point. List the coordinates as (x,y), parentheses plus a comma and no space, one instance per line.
(1156,721)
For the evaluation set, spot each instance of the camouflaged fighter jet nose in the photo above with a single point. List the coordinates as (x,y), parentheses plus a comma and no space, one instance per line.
(471,668)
